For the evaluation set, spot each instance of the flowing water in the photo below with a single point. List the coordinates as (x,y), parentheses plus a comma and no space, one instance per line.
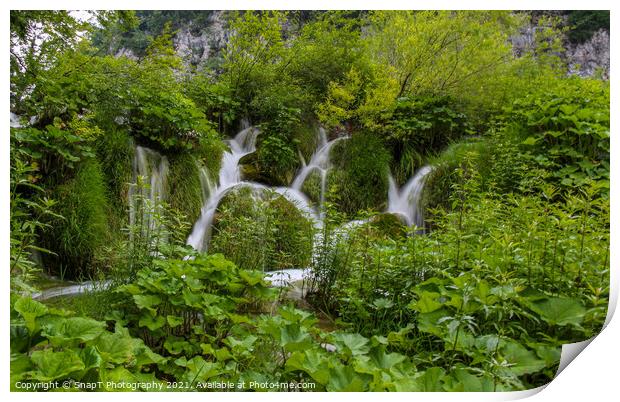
(319,162)
(243,144)
(148,188)
(406,201)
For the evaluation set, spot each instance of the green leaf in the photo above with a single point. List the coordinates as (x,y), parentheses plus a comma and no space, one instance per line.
(147,301)
(521,360)
(558,310)
(73,329)
(345,379)
(151,322)
(352,344)
(174,320)
(311,361)
(52,365)
(428,302)
(30,310)
(431,380)
(114,348)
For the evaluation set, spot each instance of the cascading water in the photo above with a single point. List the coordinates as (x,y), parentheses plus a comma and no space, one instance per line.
(243,144)
(15,121)
(320,162)
(150,170)
(406,201)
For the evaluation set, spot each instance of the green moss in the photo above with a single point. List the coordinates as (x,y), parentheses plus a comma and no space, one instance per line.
(380,226)
(306,138)
(359,179)
(438,185)
(76,239)
(312,187)
(261,231)
(184,190)
(115,152)
(209,152)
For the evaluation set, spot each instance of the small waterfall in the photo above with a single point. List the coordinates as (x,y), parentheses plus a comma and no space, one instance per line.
(243,144)
(15,121)
(150,170)
(320,162)
(206,185)
(406,201)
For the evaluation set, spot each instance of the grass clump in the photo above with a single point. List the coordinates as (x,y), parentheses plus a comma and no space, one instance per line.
(76,239)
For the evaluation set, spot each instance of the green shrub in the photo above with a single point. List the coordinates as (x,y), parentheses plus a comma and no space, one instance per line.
(421,126)
(183,182)
(50,347)
(262,231)
(565,130)
(115,151)
(75,240)
(359,177)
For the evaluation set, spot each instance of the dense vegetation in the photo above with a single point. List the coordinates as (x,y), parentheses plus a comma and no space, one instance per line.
(513,261)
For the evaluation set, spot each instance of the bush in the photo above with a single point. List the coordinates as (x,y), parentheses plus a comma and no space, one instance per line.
(75,240)
(184,189)
(565,131)
(262,231)
(359,178)
(421,126)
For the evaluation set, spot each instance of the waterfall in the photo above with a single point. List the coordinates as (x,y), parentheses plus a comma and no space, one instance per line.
(243,144)
(406,201)
(320,162)
(15,121)
(150,170)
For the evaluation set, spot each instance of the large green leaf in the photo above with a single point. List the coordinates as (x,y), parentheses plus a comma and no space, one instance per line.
(73,329)
(558,310)
(114,347)
(344,378)
(427,302)
(431,380)
(521,360)
(351,344)
(30,310)
(199,370)
(147,302)
(293,337)
(52,365)
(311,361)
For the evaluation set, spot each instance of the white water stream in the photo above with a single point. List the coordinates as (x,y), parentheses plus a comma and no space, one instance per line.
(406,201)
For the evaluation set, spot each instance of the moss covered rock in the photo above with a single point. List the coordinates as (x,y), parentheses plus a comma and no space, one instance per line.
(258,229)
(359,177)
(184,188)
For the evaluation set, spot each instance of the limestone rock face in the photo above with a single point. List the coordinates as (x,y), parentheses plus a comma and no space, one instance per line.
(196,46)
(586,58)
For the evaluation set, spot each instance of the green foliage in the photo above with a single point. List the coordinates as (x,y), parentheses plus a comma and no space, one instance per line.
(49,345)
(422,126)
(186,303)
(565,131)
(359,178)
(585,23)
(77,237)
(115,153)
(514,264)
(184,189)
(262,231)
